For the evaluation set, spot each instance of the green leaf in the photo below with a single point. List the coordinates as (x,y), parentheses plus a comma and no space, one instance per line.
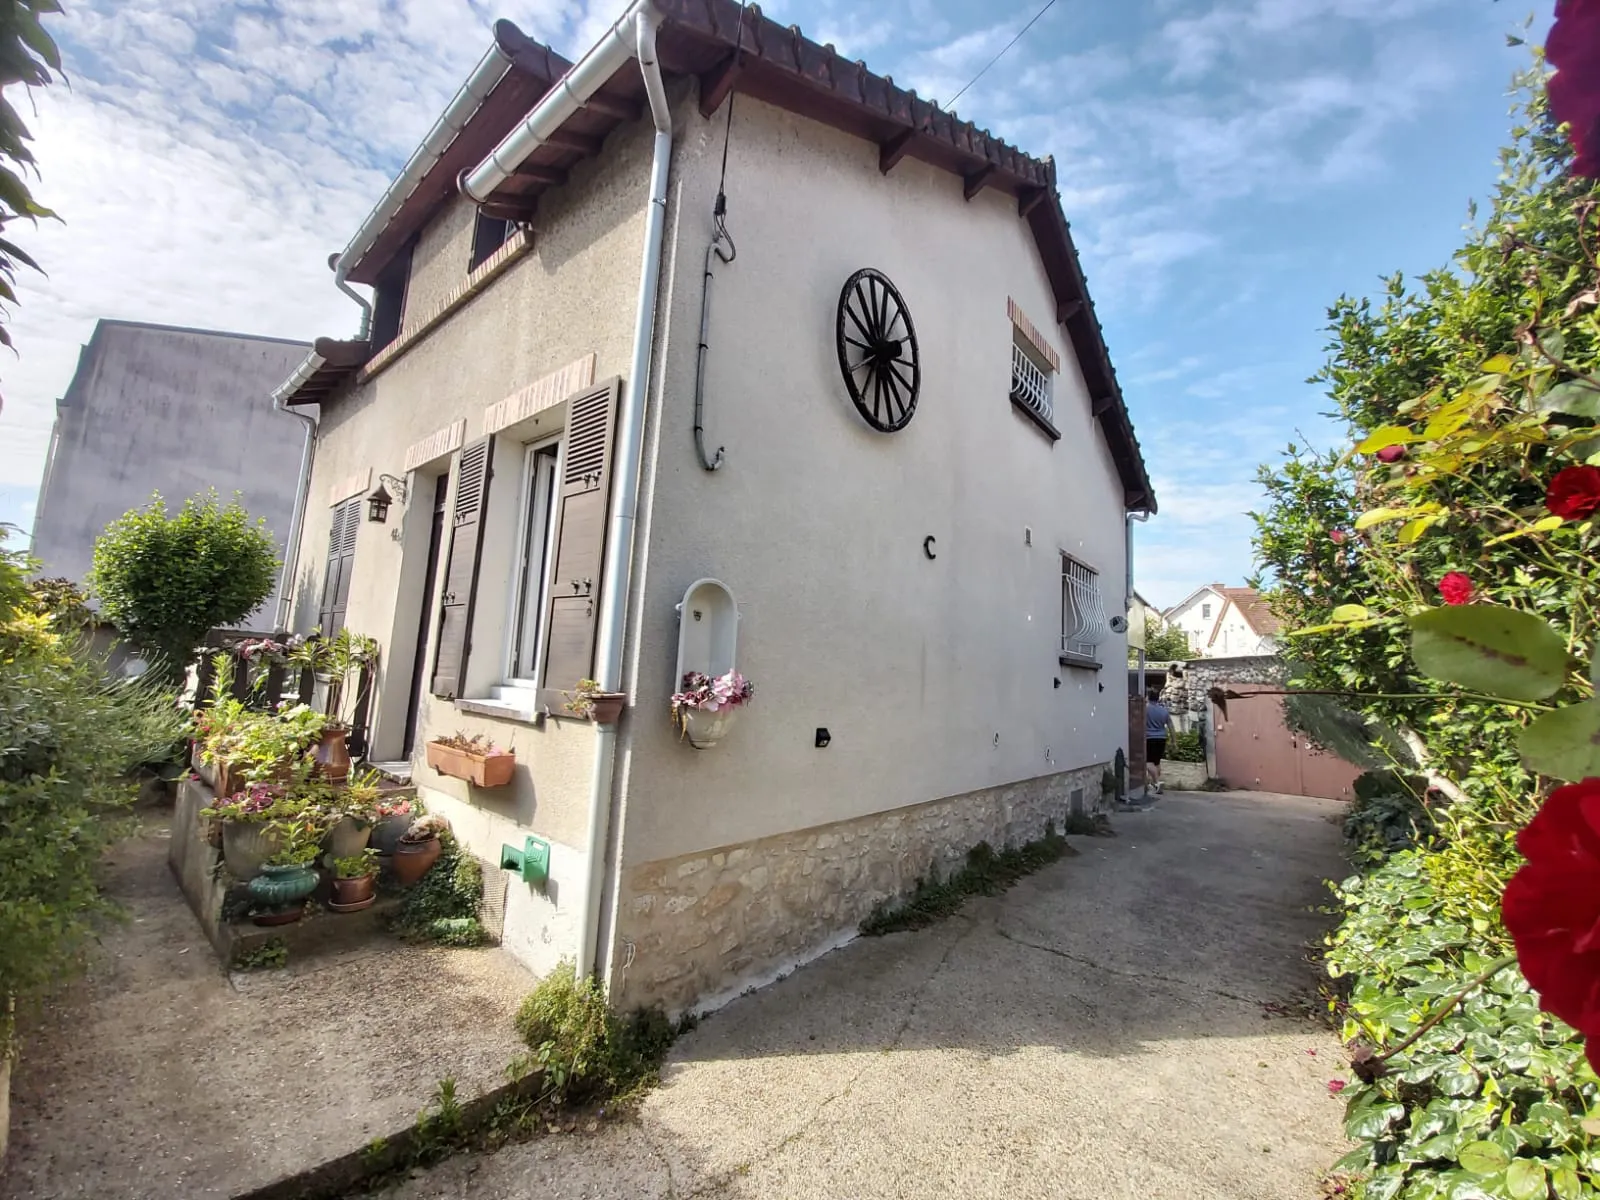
(1412,530)
(1525,1180)
(1388,435)
(1483,1158)
(1543,525)
(1564,1179)
(1500,364)
(1576,397)
(1378,516)
(1346,613)
(1564,744)
(1490,648)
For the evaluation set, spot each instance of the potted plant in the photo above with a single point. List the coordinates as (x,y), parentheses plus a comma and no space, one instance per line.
(391,819)
(268,746)
(419,848)
(473,758)
(353,880)
(352,814)
(249,836)
(334,661)
(706,706)
(590,703)
(287,877)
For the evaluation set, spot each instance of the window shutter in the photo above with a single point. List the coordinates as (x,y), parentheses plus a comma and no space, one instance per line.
(581,538)
(473,473)
(341,563)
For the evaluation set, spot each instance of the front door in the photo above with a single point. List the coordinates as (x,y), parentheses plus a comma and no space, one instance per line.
(420,654)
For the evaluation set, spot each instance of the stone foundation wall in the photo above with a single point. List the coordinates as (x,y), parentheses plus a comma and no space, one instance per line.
(696,928)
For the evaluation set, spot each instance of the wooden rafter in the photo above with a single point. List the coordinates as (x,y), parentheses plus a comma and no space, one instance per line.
(717,83)
(974,183)
(891,152)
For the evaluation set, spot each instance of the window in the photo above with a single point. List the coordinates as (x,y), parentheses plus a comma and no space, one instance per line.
(534,560)
(1083,616)
(488,235)
(389,299)
(1205,612)
(1030,382)
(341,561)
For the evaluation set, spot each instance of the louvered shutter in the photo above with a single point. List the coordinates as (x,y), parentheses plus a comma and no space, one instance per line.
(341,563)
(581,538)
(473,472)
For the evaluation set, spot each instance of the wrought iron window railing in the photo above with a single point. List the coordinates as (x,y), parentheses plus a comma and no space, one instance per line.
(1083,616)
(1030,384)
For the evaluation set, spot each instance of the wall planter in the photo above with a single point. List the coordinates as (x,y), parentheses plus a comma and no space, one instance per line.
(412,860)
(703,730)
(283,890)
(484,770)
(246,845)
(352,895)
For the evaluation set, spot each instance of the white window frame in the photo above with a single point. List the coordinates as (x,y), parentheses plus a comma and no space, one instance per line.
(1083,615)
(1032,381)
(537,462)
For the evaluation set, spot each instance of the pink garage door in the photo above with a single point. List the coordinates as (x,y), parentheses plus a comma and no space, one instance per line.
(1256,750)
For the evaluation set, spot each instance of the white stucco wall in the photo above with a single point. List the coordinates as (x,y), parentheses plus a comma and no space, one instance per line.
(1224,633)
(933,677)
(573,295)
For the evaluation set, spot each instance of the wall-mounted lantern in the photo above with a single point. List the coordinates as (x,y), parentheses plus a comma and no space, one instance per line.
(379,500)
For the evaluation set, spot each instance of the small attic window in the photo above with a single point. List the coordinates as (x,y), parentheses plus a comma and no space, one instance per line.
(488,235)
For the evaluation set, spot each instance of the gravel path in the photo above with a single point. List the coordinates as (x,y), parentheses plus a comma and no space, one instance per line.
(1112,1027)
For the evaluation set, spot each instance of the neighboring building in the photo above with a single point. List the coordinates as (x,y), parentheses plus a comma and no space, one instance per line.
(1226,622)
(154,408)
(926,613)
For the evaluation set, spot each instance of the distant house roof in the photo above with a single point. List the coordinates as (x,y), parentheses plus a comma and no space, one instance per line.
(729,46)
(1251,607)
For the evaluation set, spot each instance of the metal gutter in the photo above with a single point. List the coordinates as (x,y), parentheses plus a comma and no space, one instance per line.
(570,93)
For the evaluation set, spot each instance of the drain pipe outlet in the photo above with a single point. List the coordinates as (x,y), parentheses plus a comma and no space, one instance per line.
(613,615)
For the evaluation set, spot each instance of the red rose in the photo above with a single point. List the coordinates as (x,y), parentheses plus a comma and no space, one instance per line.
(1456,588)
(1391,454)
(1573,48)
(1552,908)
(1574,493)
(1337,536)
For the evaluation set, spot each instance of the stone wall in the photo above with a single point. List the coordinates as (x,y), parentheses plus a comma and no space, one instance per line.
(1203,674)
(698,928)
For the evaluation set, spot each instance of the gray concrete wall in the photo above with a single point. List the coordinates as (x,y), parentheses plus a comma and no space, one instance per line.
(176,411)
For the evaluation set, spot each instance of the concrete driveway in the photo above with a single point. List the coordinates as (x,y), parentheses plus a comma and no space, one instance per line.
(1112,1027)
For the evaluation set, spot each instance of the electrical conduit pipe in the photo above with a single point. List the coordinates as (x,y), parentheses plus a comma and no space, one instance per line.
(569,95)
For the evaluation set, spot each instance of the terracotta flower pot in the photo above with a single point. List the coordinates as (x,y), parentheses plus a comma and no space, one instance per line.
(246,845)
(352,895)
(347,838)
(608,707)
(331,754)
(412,860)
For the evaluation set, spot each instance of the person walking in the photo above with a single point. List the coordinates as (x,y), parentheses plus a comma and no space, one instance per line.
(1157,724)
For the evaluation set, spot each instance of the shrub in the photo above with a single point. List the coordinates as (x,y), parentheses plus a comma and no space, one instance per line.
(1186,747)
(443,905)
(1386,816)
(589,1052)
(69,739)
(165,581)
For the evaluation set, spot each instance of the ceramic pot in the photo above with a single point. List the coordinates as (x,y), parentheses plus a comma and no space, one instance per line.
(352,895)
(608,707)
(347,838)
(705,729)
(412,860)
(331,754)
(386,834)
(246,845)
(281,888)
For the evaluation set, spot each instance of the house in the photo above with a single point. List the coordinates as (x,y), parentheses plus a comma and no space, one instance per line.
(842,418)
(1226,622)
(156,408)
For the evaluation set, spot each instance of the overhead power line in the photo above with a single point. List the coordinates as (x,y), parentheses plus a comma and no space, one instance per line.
(1020,33)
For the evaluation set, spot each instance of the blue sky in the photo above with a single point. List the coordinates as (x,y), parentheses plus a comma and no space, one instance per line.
(1229,168)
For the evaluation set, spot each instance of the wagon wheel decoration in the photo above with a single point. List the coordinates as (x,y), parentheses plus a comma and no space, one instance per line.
(878,351)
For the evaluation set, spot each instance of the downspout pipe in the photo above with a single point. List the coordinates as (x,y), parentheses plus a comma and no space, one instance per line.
(613,615)
(291,547)
(1141,517)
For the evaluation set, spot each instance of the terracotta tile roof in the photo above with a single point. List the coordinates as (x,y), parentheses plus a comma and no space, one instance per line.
(1253,608)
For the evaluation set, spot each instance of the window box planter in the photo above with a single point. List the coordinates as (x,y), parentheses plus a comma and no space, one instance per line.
(483,770)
